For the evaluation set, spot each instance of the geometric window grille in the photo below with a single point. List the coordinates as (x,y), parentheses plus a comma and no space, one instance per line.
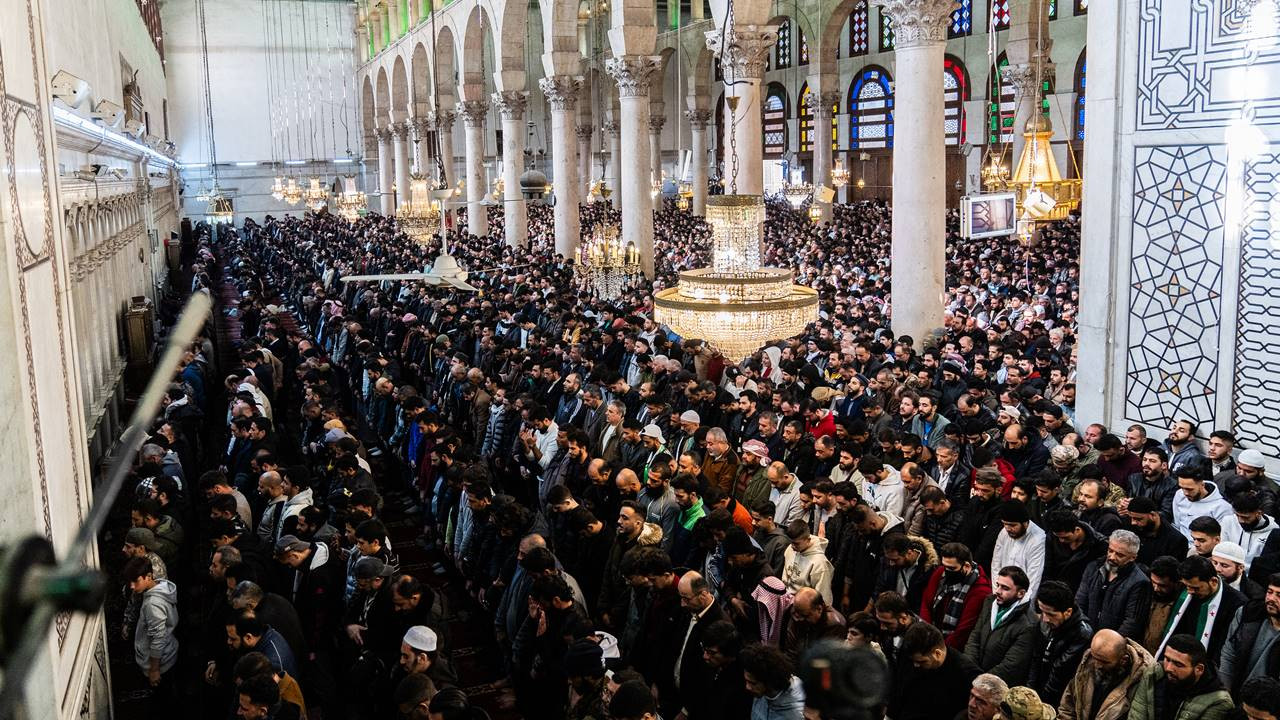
(955,90)
(962,20)
(805,119)
(1082,7)
(782,47)
(858,35)
(1053,9)
(804,48)
(1079,113)
(886,33)
(775,124)
(1001,106)
(871,109)
(1000,14)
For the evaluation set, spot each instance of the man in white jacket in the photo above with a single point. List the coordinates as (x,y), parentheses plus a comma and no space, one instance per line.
(805,562)
(883,486)
(1021,543)
(1197,497)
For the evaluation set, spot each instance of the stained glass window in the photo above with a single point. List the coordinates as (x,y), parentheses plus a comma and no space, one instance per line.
(859,44)
(1000,14)
(871,109)
(1001,106)
(803,59)
(782,47)
(775,122)
(1078,134)
(955,90)
(1053,9)
(886,33)
(1082,7)
(961,20)
(805,119)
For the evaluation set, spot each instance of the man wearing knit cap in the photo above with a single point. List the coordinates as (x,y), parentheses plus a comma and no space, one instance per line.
(584,666)
(141,542)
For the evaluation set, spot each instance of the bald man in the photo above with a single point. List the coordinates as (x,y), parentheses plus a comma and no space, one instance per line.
(271,487)
(691,673)
(1106,679)
(514,605)
(811,619)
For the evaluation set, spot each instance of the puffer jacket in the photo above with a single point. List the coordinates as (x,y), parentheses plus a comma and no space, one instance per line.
(154,635)
(1077,700)
(1122,605)
(1056,664)
(1208,701)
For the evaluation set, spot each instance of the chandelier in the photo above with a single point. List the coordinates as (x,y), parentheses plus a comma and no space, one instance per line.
(1042,194)
(419,214)
(277,188)
(351,201)
(797,191)
(315,196)
(735,305)
(839,174)
(292,193)
(657,187)
(606,264)
(221,209)
(684,195)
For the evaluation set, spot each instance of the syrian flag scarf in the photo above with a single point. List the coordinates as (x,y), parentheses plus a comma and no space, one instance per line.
(1204,623)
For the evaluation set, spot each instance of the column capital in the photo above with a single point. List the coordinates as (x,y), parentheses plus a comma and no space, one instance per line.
(383,134)
(827,102)
(656,122)
(561,91)
(400,130)
(511,103)
(918,22)
(584,132)
(698,119)
(610,127)
(442,120)
(474,112)
(420,126)
(1027,77)
(633,73)
(743,50)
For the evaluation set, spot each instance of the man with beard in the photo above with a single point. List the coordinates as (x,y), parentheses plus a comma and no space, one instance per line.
(1158,538)
(539,649)
(951,473)
(611,606)
(1074,545)
(933,664)
(1066,635)
(1109,673)
(1184,685)
(1007,629)
(982,525)
(1115,461)
(585,669)
(1090,498)
(1181,445)
(1228,560)
(1115,594)
(1205,607)
(1251,649)
(1021,543)
(1165,586)
(894,616)
(1152,481)
(1255,528)
(846,469)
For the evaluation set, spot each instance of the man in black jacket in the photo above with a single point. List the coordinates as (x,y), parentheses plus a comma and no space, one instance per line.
(1115,593)
(1074,545)
(1157,536)
(1205,607)
(1251,649)
(726,694)
(1067,636)
(1026,454)
(935,680)
(1007,631)
(690,669)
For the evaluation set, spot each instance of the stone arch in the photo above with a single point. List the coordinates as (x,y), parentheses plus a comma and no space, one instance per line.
(382,106)
(701,78)
(399,109)
(446,64)
(368,117)
(824,55)
(658,85)
(479,22)
(420,72)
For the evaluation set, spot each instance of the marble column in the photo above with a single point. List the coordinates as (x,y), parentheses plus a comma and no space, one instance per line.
(633,74)
(442,121)
(473,114)
(584,133)
(400,144)
(822,146)
(698,120)
(656,121)
(742,53)
(1029,64)
(511,105)
(919,168)
(615,158)
(561,92)
(421,133)
(386,172)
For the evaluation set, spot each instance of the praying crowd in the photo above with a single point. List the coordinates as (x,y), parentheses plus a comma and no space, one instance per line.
(642,528)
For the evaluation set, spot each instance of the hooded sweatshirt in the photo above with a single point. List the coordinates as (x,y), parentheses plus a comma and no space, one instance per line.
(157,618)
(808,568)
(1212,504)
(1251,540)
(888,495)
(788,704)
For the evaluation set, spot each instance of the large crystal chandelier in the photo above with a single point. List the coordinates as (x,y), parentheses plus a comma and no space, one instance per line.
(797,191)
(606,263)
(315,196)
(221,209)
(292,192)
(351,201)
(419,215)
(839,174)
(277,188)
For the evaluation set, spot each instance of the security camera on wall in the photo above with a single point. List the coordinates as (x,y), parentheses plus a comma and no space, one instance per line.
(69,89)
(108,113)
(135,128)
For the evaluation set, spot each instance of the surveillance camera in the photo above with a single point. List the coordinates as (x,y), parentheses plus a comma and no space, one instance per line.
(108,114)
(135,128)
(90,173)
(69,89)
(118,173)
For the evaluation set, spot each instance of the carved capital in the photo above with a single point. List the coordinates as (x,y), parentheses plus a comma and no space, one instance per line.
(743,51)
(473,112)
(584,132)
(420,126)
(561,91)
(698,119)
(400,131)
(827,103)
(383,134)
(442,120)
(918,22)
(610,127)
(656,122)
(511,103)
(633,73)
(1026,78)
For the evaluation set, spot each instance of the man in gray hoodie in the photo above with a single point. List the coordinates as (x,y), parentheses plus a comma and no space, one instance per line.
(155,647)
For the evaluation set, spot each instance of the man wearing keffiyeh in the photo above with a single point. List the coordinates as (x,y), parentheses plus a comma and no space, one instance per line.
(953,597)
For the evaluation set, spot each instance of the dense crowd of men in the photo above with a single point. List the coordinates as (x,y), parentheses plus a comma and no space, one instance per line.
(653,530)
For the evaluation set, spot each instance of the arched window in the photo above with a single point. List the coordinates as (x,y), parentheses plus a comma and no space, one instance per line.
(887,37)
(1000,14)
(775,121)
(803,59)
(1078,132)
(871,109)
(782,47)
(961,20)
(804,117)
(1000,106)
(859,44)
(955,89)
